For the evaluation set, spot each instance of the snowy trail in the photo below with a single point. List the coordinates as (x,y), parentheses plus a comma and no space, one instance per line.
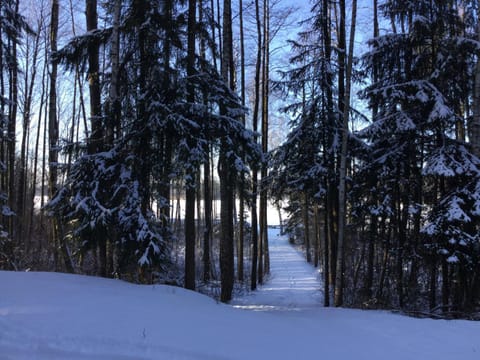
(293,284)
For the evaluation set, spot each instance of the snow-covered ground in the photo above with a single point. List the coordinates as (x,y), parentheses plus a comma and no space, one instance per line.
(293,285)
(58,316)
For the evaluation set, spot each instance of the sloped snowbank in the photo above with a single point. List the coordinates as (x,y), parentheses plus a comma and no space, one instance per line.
(58,316)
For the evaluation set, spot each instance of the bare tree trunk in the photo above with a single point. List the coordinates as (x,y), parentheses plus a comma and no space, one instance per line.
(342,213)
(165,143)
(373,221)
(95,142)
(306,227)
(3,119)
(326,261)
(113,107)
(60,247)
(316,219)
(45,138)
(433,284)
(207,192)
(225,172)
(23,221)
(207,235)
(11,131)
(113,119)
(190,185)
(143,145)
(330,182)
(21,170)
(475,123)
(53,128)
(76,85)
(37,143)
(255,242)
(241,234)
(265,120)
(220,36)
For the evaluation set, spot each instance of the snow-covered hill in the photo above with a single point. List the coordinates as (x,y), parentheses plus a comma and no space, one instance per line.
(58,316)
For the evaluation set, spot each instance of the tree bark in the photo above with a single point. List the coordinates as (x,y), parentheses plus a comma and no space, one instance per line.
(306,227)
(207,190)
(53,127)
(60,247)
(475,123)
(113,105)
(37,143)
(241,234)
(316,219)
(190,185)
(342,213)
(225,172)
(166,146)
(95,142)
(373,182)
(265,120)
(330,184)
(11,131)
(255,242)
(23,220)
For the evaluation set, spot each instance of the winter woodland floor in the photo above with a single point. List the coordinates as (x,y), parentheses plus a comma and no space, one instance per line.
(293,285)
(57,316)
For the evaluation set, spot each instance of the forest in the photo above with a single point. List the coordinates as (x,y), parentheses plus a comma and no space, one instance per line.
(140,140)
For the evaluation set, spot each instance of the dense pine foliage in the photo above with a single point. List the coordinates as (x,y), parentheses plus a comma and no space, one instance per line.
(413,172)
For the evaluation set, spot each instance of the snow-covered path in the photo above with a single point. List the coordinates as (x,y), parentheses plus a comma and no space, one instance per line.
(293,284)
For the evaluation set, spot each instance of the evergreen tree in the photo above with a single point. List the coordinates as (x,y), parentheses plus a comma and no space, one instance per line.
(157,131)
(308,161)
(423,71)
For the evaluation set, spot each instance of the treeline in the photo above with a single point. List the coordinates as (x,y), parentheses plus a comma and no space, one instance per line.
(100,129)
(109,121)
(389,206)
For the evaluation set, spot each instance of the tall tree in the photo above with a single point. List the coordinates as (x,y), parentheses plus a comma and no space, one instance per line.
(31,66)
(56,233)
(12,112)
(241,232)
(255,241)
(225,171)
(96,140)
(475,124)
(207,189)
(342,212)
(264,256)
(190,182)
(413,150)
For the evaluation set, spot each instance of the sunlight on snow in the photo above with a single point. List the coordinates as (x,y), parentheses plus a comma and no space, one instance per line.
(293,284)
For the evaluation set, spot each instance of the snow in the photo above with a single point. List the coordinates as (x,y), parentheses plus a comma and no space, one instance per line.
(294,284)
(59,316)
(455,211)
(453,259)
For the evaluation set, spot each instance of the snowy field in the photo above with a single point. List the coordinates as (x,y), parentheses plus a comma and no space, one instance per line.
(58,316)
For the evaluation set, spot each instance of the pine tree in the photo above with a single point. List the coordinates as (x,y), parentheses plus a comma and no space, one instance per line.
(420,93)
(308,160)
(157,130)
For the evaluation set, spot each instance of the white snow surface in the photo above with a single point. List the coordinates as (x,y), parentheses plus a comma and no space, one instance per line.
(293,285)
(59,316)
